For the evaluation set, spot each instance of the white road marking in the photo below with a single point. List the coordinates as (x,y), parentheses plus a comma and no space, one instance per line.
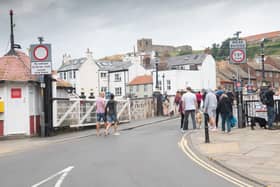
(64,173)
(185,148)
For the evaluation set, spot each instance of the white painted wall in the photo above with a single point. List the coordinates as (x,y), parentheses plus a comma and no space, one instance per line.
(136,70)
(115,84)
(87,78)
(205,77)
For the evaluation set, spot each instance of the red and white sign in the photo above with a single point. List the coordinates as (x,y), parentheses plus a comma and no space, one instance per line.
(237,55)
(41,63)
(40,52)
(16,93)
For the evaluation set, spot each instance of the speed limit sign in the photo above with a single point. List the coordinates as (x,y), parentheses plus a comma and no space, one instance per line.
(237,50)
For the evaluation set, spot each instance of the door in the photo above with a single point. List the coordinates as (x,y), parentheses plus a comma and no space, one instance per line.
(16,118)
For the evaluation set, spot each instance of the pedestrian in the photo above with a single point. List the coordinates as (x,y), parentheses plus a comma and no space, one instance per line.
(225,108)
(111,110)
(181,111)
(269,94)
(100,111)
(218,93)
(210,107)
(166,105)
(199,99)
(177,100)
(190,107)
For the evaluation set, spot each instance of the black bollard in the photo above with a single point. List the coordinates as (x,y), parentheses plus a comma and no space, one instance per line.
(206,119)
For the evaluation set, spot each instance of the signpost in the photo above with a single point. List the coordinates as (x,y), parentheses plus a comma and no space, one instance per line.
(237,56)
(41,64)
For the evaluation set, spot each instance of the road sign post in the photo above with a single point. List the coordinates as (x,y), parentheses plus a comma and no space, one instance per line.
(237,56)
(41,64)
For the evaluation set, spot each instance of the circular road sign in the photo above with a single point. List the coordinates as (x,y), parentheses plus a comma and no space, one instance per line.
(237,55)
(40,52)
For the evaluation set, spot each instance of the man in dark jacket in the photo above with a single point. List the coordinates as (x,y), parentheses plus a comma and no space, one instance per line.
(111,111)
(270,107)
(225,108)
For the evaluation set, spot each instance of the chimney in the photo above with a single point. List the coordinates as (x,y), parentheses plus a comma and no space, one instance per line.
(89,54)
(65,58)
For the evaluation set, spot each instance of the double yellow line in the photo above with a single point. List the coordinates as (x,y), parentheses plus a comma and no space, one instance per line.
(183,144)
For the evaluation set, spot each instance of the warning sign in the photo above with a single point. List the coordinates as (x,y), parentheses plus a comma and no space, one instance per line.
(41,63)
(237,50)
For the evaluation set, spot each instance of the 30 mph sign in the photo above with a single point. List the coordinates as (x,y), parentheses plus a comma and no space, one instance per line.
(41,63)
(237,50)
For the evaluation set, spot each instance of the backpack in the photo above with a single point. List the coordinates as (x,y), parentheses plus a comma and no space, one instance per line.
(263,97)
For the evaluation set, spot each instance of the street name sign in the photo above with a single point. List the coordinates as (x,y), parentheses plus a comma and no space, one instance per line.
(41,63)
(237,50)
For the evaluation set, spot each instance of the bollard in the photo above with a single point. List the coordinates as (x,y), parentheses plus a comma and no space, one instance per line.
(206,119)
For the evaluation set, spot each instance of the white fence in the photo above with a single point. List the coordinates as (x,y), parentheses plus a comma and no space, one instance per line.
(82,112)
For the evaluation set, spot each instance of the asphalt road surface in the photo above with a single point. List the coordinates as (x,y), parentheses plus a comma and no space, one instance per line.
(148,156)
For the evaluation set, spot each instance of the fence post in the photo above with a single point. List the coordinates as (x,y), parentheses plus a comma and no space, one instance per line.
(129,109)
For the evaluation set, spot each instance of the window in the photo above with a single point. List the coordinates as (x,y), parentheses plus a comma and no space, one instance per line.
(103,75)
(270,74)
(145,87)
(159,85)
(168,82)
(117,77)
(64,75)
(276,75)
(61,75)
(258,73)
(103,89)
(70,74)
(118,91)
(193,67)
(137,88)
(74,74)
(276,84)
(131,89)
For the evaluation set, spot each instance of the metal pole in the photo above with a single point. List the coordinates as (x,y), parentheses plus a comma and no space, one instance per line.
(262,56)
(163,83)
(206,129)
(156,74)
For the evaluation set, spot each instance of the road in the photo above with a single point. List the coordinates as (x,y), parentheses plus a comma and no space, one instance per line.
(146,156)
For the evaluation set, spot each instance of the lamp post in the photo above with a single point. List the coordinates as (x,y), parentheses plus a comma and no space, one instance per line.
(262,57)
(163,76)
(156,71)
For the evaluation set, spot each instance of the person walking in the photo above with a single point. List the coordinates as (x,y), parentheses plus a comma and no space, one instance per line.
(190,107)
(270,107)
(100,111)
(218,93)
(210,107)
(225,108)
(198,99)
(181,111)
(177,101)
(111,110)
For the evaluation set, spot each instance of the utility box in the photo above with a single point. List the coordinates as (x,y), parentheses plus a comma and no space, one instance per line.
(2,108)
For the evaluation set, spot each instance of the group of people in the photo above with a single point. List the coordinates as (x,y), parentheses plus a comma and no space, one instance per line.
(212,103)
(106,113)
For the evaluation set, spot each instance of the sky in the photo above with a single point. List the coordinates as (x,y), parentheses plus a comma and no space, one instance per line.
(110,27)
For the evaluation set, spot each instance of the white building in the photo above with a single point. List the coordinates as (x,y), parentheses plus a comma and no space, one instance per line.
(82,73)
(113,77)
(196,70)
(21,94)
(89,76)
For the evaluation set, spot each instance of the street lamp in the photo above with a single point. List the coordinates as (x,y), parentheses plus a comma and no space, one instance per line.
(156,62)
(163,76)
(262,57)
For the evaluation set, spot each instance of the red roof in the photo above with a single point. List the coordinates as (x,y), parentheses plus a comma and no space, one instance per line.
(16,68)
(144,79)
(258,37)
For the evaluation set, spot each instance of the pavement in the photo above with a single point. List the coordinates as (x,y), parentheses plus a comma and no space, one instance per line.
(11,145)
(254,154)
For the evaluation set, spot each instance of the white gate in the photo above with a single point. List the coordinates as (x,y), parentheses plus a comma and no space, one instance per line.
(82,112)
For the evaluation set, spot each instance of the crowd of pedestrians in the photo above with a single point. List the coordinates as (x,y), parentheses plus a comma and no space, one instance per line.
(214,104)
